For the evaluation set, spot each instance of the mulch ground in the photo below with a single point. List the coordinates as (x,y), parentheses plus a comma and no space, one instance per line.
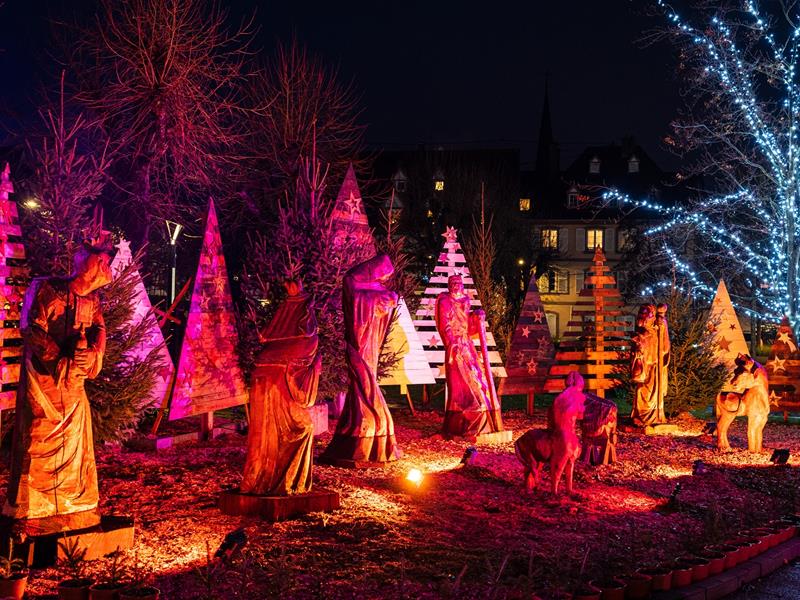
(471,532)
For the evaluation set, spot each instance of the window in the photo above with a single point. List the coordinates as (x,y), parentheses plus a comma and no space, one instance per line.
(594,239)
(633,164)
(554,282)
(400,185)
(625,239)
(572,197)
(594,165)
(550,239)
(524,204)
(438,185)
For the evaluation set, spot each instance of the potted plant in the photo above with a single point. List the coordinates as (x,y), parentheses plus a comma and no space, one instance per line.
(698,565)
(113,582)
(661,577)
(610,588)
(13,575)
(681,575)
(76,585)
(638,586)
(716,561)
(139,589)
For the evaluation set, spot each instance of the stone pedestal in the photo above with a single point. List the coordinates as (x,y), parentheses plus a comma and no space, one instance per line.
(661,429)
(346,463)
(43,550)
(277,508)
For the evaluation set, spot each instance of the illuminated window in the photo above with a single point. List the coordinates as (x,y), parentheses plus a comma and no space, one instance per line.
(554,282)
(633,164)
(524,204)
(438,185)
(572,198)
(430,213)
(550,239)
(594,239)
(594,165)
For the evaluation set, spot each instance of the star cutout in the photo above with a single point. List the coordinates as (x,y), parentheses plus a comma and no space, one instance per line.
(443,257)
(733,327)
(532,367)
(773,399)
(450,235)
(712,328)
(442,371)
(779,363)
(724,344)
(784,337)
(538,315)
(526,331)
(353,204)
(124,247)
(433,341)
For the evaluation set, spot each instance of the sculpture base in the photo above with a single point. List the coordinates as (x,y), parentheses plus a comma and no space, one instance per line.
(661,429)
(347,463)
(112,533)
(175,433)
(485,439)
(278,508)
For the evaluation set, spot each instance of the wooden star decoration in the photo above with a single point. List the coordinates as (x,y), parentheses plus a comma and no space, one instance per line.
(784,337)
(538,315)
(779,363)
(733,326)
(532,367)
(773,399)
(442,371)
(353,204)
(526,331)
(433,341)
(450,235)
(724,344)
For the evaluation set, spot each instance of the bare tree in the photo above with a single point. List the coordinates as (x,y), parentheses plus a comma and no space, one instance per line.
(165,79)
(304,107)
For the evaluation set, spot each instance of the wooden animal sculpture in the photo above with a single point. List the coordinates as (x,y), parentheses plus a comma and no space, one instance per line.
(559,445)
(753,403)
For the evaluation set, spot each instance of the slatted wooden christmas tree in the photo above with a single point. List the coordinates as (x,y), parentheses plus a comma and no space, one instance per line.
(14,278)
(783,367)
(351,228)
(154,338)
(451,262)
(725,328)
(597,334)
(530,353)
(208,377)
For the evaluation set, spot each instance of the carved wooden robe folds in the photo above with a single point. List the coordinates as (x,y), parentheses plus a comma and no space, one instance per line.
(284,384)
(365,431)
(53,483)
(471,408)
(649,365)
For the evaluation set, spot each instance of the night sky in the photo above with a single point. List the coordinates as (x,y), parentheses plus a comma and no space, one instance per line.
(442,71)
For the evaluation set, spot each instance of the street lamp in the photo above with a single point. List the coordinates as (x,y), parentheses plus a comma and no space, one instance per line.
(174,230)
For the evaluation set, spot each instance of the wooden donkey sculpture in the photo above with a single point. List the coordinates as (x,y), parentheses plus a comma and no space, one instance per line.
(753,402)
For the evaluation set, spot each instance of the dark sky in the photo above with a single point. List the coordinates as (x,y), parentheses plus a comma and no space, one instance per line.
(443,71)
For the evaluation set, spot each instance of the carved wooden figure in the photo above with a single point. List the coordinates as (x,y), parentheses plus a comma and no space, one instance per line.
(284,384)
(559,444)
(365,431)
(599,431)
(472,407)
(53,483)
(753,402)
(649,364)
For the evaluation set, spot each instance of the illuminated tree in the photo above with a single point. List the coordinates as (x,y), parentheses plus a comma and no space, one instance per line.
(741,129)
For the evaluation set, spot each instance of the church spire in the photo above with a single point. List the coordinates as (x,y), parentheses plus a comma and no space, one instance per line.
(547,152)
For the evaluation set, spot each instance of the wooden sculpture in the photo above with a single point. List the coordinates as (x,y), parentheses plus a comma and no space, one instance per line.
(753,402)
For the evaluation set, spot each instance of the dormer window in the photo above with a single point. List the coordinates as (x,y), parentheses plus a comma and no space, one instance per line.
(524,204)
(572,198)
(594,165)
(399,181)
(633,164)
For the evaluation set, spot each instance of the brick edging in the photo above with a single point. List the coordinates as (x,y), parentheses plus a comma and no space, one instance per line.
(731,580)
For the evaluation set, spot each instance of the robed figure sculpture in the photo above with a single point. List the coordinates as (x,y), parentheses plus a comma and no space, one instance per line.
(365,431)
(649,364)
(284,384)
(53,482)
(472,407)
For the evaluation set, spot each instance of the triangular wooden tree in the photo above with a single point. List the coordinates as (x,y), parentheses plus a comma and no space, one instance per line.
(208,376)
(154,339)
(783,367)
(351,229)
(14,278)
(530,354)
(725,327)
(451,262)
(596,335)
